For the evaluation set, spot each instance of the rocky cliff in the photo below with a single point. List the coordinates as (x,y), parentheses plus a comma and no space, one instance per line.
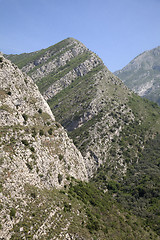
(142,74)
(34,149)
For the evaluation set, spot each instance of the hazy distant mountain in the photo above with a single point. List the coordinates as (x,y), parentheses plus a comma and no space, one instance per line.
(142,75)
(117,132)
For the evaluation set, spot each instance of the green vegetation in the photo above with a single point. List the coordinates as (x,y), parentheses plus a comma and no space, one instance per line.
(41,132)
(32,149)
(60,157)
(142,183)
(40,110)
(25,142)
(60,178)
(29,165)
(139,143)
(12,213)
(50,131)
(34,132)
(1,187)
(9,93)
(92,214)
(25,117)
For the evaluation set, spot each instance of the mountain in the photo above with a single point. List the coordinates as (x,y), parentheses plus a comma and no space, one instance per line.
(142,75)
(117,132)
(82,93)
(36,159)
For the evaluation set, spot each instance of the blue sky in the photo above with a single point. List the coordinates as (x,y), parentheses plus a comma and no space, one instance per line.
(117,30)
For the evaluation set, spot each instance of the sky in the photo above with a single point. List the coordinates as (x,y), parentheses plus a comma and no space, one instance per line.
(116,30)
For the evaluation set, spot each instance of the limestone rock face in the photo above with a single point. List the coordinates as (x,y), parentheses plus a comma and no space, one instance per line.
(142,74)
(34,148)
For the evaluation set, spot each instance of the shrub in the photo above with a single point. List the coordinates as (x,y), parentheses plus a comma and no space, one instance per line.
(13,140)
(58,125)
(41,132)
(60,157)
(34,133)
(40,110)
(9,93)
(48,123)
(25,117)
(50,131)
(33,195)
(25,142)
(67,207)
(60,177)
(12,213)
(0,187)
(26,81)
(32,149)
(29,165)
(93,225)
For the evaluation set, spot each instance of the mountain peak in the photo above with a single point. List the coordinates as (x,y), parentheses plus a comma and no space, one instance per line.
(142,74)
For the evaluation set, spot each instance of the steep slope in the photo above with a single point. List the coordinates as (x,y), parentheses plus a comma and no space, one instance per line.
(34,149)
(142,74)
(79,89)
(110,125)
(36,156)
(87,99)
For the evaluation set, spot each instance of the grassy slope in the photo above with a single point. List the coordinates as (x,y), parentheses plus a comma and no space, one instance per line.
(87,211)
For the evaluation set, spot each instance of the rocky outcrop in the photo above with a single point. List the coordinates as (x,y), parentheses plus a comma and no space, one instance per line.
(53,64)
(65,81)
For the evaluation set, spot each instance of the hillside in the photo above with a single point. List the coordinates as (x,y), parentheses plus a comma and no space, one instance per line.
(142,75)
(35,151)
(111,126)
(36,159)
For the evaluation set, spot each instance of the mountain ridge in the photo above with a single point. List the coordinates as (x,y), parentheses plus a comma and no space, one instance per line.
(110,125)
(142,74)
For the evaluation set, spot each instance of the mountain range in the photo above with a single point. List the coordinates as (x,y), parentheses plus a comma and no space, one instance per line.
(108,168)
(142,75)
